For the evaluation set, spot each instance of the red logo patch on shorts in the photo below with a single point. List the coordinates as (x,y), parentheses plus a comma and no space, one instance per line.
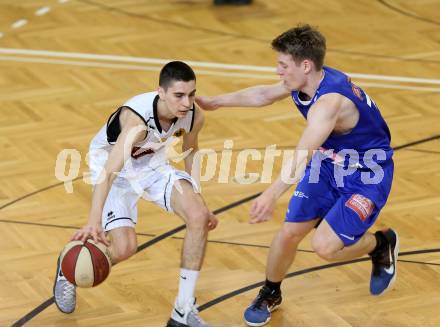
(361,205)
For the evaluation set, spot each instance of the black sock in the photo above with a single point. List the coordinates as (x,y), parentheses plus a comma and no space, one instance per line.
(273,286)
(381,242)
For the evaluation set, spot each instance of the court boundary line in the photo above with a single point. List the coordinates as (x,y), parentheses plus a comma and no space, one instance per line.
(34,192)
(424,151)
(407,13)
(101,65)
(202,64)
(6,221)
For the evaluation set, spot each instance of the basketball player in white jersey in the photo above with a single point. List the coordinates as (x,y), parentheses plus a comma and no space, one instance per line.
(128,161)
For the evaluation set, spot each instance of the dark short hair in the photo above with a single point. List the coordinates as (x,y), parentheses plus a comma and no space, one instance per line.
(302,42)
(175,71)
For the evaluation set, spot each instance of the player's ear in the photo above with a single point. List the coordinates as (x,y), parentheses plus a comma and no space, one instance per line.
(307,66)
(161,92)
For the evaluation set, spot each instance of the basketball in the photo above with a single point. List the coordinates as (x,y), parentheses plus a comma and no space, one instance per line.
(85,264)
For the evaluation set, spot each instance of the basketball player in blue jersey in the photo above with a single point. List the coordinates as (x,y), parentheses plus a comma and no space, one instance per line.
(336,194)
(128,160)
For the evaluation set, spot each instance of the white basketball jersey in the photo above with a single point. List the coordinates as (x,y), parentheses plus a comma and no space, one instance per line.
(147,154)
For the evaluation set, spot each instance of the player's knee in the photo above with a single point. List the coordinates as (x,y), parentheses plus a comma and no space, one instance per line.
(121,252)
(198,218)
(291,235)
(324,250)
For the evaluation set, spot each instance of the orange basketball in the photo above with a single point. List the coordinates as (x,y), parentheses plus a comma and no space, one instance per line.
(85,264)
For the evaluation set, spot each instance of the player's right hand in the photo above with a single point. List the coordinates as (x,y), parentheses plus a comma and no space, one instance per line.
(93,231)
(206,103)
(262,208)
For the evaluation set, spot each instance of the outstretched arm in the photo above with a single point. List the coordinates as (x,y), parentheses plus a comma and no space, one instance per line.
(257,96)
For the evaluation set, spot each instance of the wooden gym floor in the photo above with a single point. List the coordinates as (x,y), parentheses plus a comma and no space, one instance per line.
(54,96)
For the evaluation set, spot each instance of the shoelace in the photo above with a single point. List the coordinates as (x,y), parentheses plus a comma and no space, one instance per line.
(68,289)
(261,298)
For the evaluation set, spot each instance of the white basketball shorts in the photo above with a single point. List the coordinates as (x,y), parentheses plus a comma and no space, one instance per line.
(156,185)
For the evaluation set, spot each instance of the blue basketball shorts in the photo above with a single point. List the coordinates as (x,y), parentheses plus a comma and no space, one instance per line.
(350,208)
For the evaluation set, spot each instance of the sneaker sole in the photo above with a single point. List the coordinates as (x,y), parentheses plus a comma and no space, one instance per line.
(258,324)
(173,323)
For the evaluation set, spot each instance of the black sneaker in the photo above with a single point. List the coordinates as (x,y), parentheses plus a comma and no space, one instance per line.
(259,312)
(384,263)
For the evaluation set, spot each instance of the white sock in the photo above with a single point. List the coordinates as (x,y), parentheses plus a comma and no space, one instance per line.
(187,285)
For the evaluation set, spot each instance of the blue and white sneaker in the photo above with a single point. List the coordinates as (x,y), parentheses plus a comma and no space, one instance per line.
(384,270)
(259,312)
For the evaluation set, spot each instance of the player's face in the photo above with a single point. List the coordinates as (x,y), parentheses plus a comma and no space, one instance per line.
(292,74)
(179,97)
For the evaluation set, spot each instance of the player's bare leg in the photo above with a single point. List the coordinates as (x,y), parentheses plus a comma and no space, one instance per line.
(191,208)
(281,255)
(329,246)
(283,248)
(123,243)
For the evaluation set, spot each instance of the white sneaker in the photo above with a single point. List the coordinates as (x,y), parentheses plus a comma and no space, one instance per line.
(64,292)
(186,316)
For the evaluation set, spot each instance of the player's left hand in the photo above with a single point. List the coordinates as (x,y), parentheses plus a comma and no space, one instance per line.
(213,221)
(262,208)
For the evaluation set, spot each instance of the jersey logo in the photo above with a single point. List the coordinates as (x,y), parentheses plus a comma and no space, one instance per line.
(138,152)
(179,132)
(360,204)
(300,194)
(357,91)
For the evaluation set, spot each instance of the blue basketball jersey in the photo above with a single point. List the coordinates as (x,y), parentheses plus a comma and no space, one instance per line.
(371,131)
